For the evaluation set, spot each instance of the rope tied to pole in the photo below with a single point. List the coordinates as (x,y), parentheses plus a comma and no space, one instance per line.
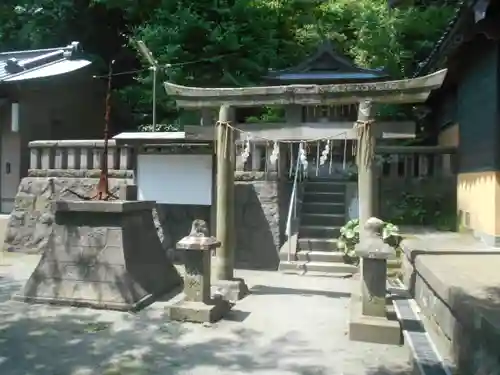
(365,147)
(225,135)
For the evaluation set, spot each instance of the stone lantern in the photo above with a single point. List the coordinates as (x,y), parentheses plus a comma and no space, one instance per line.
(198,305)
(370,318)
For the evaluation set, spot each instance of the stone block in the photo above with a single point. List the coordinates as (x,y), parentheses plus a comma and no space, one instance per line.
(198,312)
(374,329)
(102,254)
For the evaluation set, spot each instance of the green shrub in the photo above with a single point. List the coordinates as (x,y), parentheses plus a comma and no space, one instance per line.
(349,238)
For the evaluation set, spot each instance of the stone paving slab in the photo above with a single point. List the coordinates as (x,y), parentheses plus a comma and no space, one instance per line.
(289,325)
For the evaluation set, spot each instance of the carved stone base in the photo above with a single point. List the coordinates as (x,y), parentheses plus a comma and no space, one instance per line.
(103,255)
(375,329)
(231,290)
(198,312)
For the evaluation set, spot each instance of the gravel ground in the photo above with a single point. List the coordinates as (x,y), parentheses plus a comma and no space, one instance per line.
(289,325)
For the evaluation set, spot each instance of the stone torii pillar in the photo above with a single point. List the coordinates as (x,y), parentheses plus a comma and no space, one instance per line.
(231,288)
(365,163)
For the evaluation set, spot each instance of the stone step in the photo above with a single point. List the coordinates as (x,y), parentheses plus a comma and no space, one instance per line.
(317,244)
(325,186)
(326,267)
(323,208)
(315,256)
(322,197)
(319,231)
(322,219)
(314,178)
(321,256)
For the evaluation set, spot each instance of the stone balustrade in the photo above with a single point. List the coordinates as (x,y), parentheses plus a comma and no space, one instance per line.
(78,154)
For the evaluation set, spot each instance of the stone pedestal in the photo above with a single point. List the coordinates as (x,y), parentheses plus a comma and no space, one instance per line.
(373,286)
(102,254)
(197,304)
(372,317)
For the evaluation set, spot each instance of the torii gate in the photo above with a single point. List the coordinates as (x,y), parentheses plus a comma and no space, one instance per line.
(414,90)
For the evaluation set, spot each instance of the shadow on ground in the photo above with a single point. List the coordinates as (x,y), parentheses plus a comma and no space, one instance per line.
(46,340)
(72,344)
(271,290)
(54,341)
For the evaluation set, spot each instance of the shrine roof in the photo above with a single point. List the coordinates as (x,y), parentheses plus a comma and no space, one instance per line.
(326,65)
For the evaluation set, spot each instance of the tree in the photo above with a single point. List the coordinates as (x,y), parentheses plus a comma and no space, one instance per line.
(222,42)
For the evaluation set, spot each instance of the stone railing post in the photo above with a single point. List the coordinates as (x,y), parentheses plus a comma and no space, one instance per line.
(124,158)
(370,321)
(72,158)
(112,156)
(85,157)
(96,155)
(47,157)
(198,305)
(256,156)
(35,158)
(60,157)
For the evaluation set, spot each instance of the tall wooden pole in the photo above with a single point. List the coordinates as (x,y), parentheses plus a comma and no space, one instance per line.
(225,196)
(364,158)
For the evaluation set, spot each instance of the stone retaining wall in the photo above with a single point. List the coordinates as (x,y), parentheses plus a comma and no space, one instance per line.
(30,222)
(455,282)
(261,206)
(260,212)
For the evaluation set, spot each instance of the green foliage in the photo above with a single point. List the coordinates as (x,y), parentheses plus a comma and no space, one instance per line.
(223,42)
(268,114)
(424,209)
(349,238)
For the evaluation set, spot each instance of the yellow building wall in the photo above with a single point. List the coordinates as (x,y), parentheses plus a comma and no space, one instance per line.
(478,194)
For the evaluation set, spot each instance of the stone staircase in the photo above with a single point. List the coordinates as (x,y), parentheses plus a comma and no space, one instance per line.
(322,214)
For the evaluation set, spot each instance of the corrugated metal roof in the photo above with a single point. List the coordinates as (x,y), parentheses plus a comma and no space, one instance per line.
(24,65)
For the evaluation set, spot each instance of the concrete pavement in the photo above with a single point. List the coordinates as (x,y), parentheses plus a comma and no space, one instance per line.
(289,325)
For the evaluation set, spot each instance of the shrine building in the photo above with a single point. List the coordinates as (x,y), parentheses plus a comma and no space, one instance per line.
(465,111)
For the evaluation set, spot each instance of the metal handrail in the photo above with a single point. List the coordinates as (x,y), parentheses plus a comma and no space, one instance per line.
(292,208)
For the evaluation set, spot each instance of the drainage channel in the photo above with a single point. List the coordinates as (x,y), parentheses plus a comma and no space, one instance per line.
(426,358)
